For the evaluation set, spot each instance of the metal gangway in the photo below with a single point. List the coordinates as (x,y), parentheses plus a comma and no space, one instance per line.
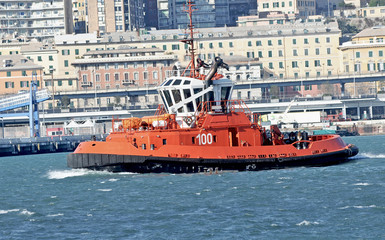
(30,99)
(22,100)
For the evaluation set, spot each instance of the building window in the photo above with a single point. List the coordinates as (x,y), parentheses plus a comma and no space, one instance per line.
(65,63)
(305,41)
(107,77)
(259,43)
(370,53)
(84,77)
(295,53)
(164,47)
(328,51)
(380,53)
(39,58)
(116,76)
(126,75)
(97,77)
(280,53)
(249,43)
(328,39)
(306,52)
(175,47)
(136,76)
(281,65)
(279,42)
(271,65)
(220,44)
(265,5)
(294,41)
(317,63)
(270,53)
(50,58)
(317,51)
(211,45)
(116,65)
(358,54)
(65,52)
(145,75)
(70,82)
(306,63)
(231,44)
(23,73)
(329,62)
(155,75)
(294,64)
(76,51)
(260,54)
(270,43)
(316,40)
(8,74)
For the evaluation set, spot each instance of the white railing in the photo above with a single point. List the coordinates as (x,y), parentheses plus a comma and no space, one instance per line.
(23,99)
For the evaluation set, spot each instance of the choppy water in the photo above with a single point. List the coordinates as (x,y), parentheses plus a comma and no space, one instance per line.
(40,198)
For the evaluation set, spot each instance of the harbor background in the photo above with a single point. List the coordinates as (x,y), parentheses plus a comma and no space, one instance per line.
(43,199)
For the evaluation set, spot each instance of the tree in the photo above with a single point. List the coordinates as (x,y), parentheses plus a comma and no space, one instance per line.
(65,101)
(117,100)
(375,3)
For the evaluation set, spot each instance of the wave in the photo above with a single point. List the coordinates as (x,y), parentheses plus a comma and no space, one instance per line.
(370,206)
(362,184)
(307,223)
(105,190)
(8,211)
(26,212)
(371,155)
(61,174)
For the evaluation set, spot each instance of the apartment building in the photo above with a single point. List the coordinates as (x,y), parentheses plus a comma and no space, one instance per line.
(302,8)
(115,16)
(217,13)
(294,50)
(371,12)
(16,74)
(80,16)
(122,68)
(365,52)
(35,19)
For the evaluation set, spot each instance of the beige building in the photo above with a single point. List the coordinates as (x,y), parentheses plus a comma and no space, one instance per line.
(79,13)
(364,54)
(303,8)
(115,16)
(371,12)
(295,50)
(16,73)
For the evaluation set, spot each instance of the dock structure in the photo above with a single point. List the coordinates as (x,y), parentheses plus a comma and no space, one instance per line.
(36,145)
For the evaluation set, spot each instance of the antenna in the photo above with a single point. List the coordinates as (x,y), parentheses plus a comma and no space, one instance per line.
(190,39)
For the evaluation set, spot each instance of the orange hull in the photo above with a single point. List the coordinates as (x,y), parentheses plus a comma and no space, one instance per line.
(222,142)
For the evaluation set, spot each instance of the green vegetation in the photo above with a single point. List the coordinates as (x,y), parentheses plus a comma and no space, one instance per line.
(346,27)
(375,3)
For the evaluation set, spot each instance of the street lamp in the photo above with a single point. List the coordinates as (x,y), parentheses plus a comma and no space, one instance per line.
(51,70)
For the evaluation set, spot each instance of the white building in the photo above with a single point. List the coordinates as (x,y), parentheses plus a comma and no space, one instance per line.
(35,19)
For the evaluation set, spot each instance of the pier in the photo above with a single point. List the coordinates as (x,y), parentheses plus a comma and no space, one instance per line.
(25,146)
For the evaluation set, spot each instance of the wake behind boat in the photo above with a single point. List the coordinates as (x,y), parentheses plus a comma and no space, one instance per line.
(198,129)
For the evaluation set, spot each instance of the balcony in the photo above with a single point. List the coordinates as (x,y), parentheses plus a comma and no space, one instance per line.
(86,84)
(127,82)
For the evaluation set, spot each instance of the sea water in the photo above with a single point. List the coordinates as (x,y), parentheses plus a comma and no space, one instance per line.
(40,198)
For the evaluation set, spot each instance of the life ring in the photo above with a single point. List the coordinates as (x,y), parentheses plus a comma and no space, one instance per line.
(188,120)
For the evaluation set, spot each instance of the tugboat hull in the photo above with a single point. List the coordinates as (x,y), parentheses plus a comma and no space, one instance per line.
(148,164)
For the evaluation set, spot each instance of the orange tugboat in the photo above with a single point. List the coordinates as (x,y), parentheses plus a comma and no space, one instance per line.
(199,129)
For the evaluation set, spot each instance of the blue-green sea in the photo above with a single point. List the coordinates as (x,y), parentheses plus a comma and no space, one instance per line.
(40,198)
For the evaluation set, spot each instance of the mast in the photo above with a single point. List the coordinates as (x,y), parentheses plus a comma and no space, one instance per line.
(190,39)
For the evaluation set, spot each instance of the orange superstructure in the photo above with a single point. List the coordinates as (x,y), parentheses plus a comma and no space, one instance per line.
(198,129)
